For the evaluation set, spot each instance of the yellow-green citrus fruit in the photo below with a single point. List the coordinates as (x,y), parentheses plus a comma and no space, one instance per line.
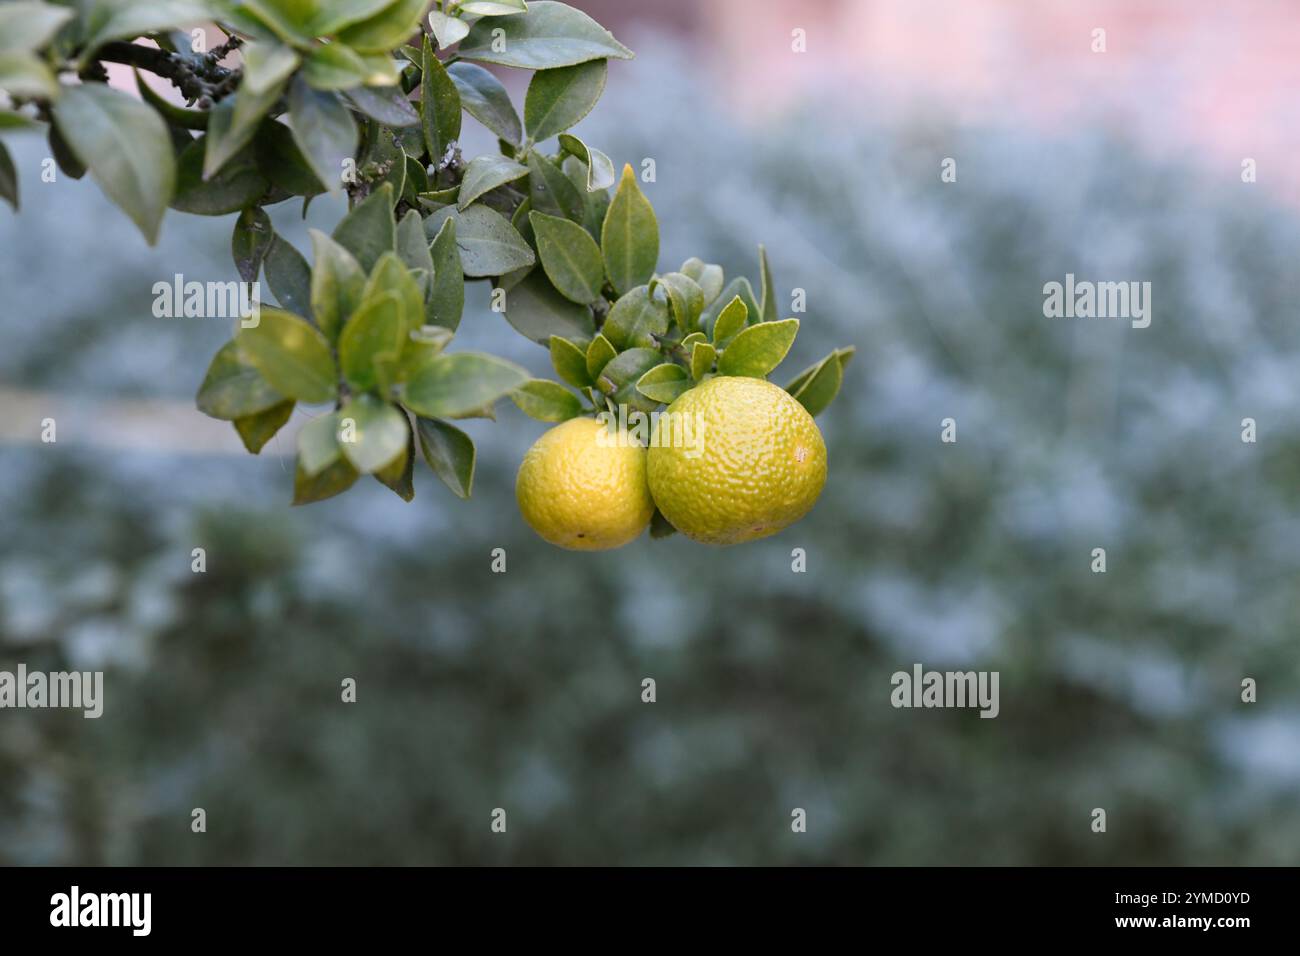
(584,490)
(754,463)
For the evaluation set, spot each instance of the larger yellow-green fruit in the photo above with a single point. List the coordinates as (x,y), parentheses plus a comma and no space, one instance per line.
(583,487)
(735,459)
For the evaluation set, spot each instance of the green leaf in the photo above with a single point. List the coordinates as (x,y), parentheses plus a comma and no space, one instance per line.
(369,230)
(291,354)
(386,30)
(448,31)
(636,319)
(318,444)
(461,383)
(337,283)
(629,238)
(390,275)
(537,311)
(234,388)
(122,21)
(10,120)
(485,173)
(69,165)
(663,383)
(8,178)
(733,317)
(426,343)
(767,306)
(238,185)
(703,355)
(256,430)
(232,124)
(560,98)
(685,298)
(449,452)
(570,362)
(412,246)
(267,66)
(551,191)
(440,107)
(486,99)
(599,354)
(758,349)
(372,433)
(126,147)
(600,168)
(251,241)
(546,401)
(549,35)
(488,244)
(737,287)
(447,298)
(493,8)
(282,162)
(816,386)
(324,131)
(570,257)
(707,276)
(376,328)
(25,74)
(29,25)
(618,379)
(399,474)
(289,277)
(173,114)
(334,480)
(388,107)
(336,66)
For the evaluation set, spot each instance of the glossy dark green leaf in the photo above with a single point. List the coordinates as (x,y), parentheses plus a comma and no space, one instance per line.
(126,147)
(816,386)
(68,163)
(337,284)
(663,383)
(485,173)
(600,169)
(256,430)
(629,238)
(549,35)
(546,401)
(460,383)
(399,474)
(291,354)
(234,388)
(560,98)
(570,257)
(449,452)
(334,480)
(638,318)
(447,298)
(537,311)
(551,191)
(659,526)
(369,230)
(439,107)
(758,349)
(282,162)
(376,328)
(412,246)
(233,122)
(289,277)
(488,244)
(570,362)
(372,433)
(237,185)
(485,98)
(250,242)
(324,131)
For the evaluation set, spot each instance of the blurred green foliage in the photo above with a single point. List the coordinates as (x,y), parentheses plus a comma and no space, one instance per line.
(522,690)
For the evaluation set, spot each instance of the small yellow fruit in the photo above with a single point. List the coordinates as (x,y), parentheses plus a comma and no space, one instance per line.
(584,490)
(757,465)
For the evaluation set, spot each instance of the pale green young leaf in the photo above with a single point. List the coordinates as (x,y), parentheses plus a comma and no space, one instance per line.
(758,349)
(372,433)
(234,388)
(460,383)
(629,238)
(663,383)
(292,355)
(599,354)
(546,401)
(638,319)
(703,355)
(377,327)
(337,283)
(570,362)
